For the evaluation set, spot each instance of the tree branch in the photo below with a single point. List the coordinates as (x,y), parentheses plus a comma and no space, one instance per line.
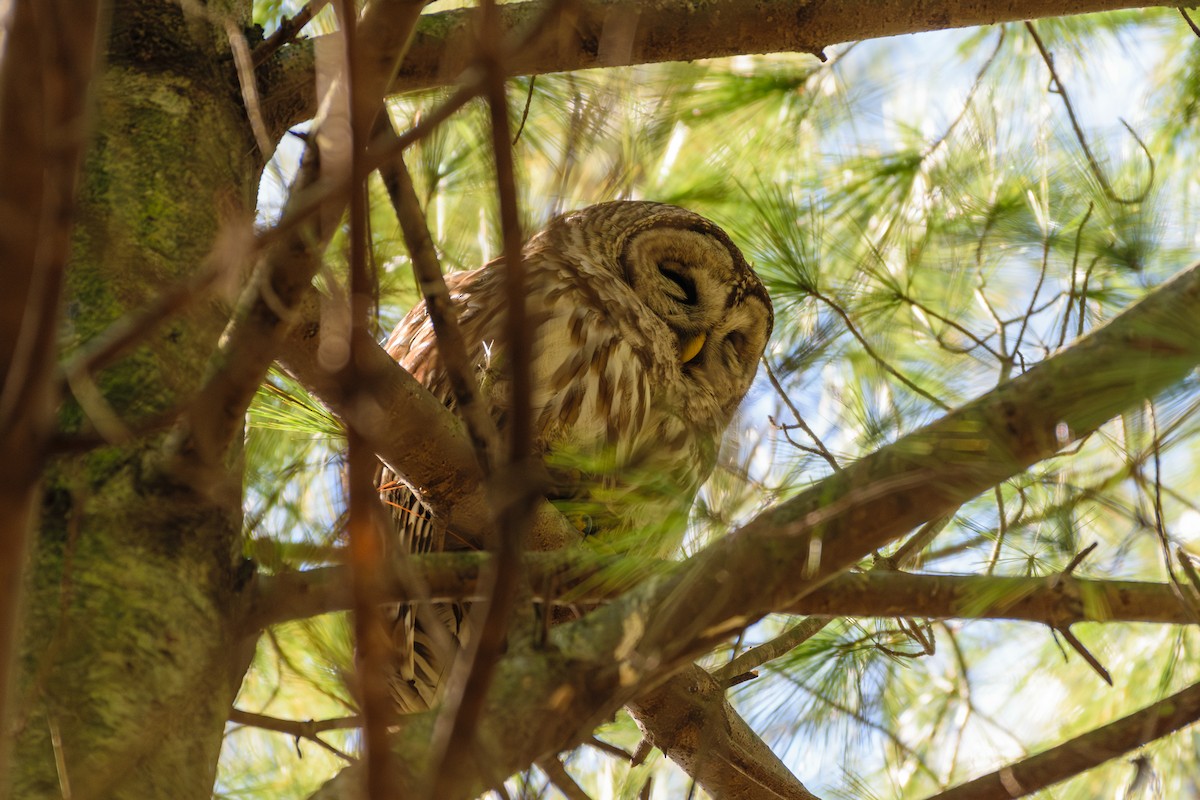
(1056,601)
(608,33)
(690,720)
(1083,752)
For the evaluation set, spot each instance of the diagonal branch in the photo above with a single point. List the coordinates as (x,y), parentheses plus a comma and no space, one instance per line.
(1083,752)
(689,719)
(791,549)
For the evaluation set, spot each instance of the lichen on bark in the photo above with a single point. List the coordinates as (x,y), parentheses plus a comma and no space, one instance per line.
(130,657)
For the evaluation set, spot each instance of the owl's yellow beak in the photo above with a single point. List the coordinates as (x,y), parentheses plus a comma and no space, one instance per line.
(691,348)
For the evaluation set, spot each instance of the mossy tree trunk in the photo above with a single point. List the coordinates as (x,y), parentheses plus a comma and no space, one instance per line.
(129,661)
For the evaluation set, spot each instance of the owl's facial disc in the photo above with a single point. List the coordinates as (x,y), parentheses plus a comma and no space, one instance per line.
(687,273)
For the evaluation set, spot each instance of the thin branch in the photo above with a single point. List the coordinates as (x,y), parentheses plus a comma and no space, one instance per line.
(455,734)
(1185,593)
(451,346)
(1037,290)
(561,779)
(1085,654)
(243,62)
(769,651)
(1083,752)
(611,749)
(1191,24)
(300,729)
(367,548)
(820,448)
(870,351)
(983,70)
(1062,336)
(1061,90)
(289,28)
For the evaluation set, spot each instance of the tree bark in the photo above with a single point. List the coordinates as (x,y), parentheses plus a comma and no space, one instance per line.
(611,33)
(129,659)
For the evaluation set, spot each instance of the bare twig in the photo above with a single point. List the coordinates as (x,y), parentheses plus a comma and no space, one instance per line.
(289,28)
(525,112)
(820,448)
(1061,90)
(1186,596)
(908,553)
(455,734)
(1188,19)
(300,729)
(1078,558)
(983,70)
(562,779)
(874,356)
(1062,335)
(366,545)
(1085,654)
(611,749)
(243,62)
(769,651)
(452,348)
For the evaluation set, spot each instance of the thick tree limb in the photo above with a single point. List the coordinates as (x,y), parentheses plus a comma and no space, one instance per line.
(607,33)
(689,719)
(1083,752)
(1058,601)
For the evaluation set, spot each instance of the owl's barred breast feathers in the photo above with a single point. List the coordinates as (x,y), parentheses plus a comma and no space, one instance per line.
(648,326)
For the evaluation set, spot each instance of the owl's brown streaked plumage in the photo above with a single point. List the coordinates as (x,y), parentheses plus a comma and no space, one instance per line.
(648,329)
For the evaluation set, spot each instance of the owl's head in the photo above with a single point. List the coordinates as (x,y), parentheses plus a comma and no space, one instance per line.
(689,275)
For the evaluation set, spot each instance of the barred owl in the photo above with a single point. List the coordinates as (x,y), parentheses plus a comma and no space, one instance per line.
(648,329)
